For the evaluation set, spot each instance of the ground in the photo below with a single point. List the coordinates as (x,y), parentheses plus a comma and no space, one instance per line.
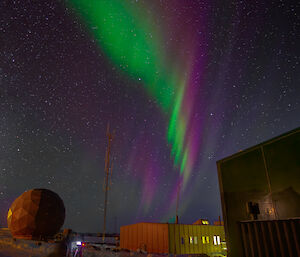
(29,248)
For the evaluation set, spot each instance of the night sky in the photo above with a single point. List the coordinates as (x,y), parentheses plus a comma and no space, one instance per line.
(182,83)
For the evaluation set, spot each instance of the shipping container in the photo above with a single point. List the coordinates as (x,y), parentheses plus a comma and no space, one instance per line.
(167,238)
(261,183)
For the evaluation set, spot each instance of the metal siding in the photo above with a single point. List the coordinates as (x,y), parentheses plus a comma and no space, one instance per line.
(137,229)
(160,238)
(128,237)
(135,237)
(207,234)
(182,235)
(274,238)
(154,237)
(166,238)
(200,245)
(191,234)
(162,243)
(126,234)
(187,236)
(212,233)
(139,235)
(145,238)
(171,238)
(195,246)
(205,246)
(186,241)
(150,238)
(122,237)
(177,239)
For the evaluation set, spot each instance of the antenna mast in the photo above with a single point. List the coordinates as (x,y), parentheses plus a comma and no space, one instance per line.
(177,202)
(108,173)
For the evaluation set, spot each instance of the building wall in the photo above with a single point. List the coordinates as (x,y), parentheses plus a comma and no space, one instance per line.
(267,174)
(172,238)
(188,239)
(151,237)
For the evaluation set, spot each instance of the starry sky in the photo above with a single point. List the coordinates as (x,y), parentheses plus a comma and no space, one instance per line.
(182,83)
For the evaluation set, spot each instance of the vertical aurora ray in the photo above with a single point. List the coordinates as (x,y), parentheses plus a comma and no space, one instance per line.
(134,45)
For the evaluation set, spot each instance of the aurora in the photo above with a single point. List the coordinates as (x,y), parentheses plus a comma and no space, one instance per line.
(132,42)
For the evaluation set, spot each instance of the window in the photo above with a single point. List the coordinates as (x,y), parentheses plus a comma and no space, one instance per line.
(205,239)
(195,240)
(182,240)
(191,240)
(215,240)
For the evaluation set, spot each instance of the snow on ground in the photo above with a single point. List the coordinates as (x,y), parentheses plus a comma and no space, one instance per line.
(103,253)
(22,248)
(29,248)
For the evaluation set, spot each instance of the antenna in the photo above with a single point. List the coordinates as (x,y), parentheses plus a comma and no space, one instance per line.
(108,173)
(177,202)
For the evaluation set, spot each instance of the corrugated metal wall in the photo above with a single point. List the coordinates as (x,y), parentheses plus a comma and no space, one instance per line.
(172,238)
(274,238)
(151,237)
(187,239)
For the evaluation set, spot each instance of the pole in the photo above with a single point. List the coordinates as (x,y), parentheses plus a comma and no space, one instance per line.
(107,172)
(177,202)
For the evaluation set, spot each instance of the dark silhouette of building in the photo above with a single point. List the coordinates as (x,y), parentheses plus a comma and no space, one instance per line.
(260,194)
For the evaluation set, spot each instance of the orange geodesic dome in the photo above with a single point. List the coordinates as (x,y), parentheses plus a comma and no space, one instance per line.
(36,214)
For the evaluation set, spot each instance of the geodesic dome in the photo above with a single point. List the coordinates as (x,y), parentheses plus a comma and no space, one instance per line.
(37,213)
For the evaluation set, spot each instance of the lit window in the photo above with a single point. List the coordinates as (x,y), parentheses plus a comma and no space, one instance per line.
(218,240)
(191,239)
(207,239)
(203,240)
(195,240)
(215,240)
